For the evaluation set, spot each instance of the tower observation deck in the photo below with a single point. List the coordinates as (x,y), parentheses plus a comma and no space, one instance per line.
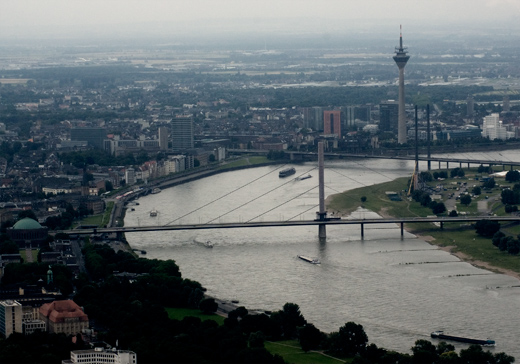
(400,59)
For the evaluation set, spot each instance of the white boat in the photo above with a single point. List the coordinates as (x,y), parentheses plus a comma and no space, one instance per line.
(309,260)
(303,177)
(156,190)
(208,244)
(153,213)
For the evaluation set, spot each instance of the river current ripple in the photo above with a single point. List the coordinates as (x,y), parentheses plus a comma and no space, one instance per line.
(398,289)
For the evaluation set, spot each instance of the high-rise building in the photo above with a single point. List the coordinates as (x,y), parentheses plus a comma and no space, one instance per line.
(470,105)
(332,122)
(506,104)
(163,137)
(492,128)
(388,115)
(93,136)
(130,176)
(182,133)
(11,314)
(350,116)
(400,59)
(318,118)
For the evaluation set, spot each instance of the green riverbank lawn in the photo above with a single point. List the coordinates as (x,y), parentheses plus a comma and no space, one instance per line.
(461,240)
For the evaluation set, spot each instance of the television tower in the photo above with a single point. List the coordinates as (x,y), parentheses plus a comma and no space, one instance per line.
(400,59)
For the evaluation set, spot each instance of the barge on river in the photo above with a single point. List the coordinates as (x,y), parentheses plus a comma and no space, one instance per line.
(441,335)
(286,172)
(309,260)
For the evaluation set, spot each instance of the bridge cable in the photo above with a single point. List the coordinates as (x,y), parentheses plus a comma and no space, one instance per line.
(301,213)
(221,197)
(274,208)
(254,199)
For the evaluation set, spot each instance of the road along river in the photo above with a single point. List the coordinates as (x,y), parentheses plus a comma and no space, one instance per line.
(400,290)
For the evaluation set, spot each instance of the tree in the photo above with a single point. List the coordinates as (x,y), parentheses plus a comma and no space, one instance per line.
(291,319)
(27,213)
(350,340)
(465,200)
(510,197)
(208,306)
(476,190)
(438,208)
(108,186)
(424,352)
(496,238)
(457,172)
(490,183)
(309,337)
(513,176)
(363,199)
(9,247)
(487,228)
(425,176)
(453,213)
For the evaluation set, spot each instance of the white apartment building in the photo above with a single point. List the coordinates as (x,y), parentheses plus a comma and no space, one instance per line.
(492,128)
(101,356)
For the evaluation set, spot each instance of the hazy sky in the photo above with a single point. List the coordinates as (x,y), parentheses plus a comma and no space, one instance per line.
(39,18)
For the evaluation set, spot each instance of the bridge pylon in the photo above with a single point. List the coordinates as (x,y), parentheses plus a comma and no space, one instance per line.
(321,215)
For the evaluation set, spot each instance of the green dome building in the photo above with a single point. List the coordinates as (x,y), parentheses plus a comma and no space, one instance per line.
(27,233)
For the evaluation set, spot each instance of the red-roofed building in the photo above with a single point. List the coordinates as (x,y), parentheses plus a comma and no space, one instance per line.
(64,317)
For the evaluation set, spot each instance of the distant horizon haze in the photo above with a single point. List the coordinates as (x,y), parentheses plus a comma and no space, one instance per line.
(198,19)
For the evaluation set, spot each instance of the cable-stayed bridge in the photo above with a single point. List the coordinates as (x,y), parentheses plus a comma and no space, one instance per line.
(322,220)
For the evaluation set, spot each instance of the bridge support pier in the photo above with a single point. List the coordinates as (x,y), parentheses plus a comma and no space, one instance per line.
(402,230)
(322,231)
(362,231)
(442,225)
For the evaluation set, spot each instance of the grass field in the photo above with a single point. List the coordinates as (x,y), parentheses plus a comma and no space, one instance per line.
(34,253)
(180,313)
(462,237)
(292,353)
(248,161)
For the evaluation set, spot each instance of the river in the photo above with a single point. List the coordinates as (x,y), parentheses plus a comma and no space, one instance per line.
(398,289)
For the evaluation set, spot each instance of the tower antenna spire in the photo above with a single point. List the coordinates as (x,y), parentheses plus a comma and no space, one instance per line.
(400,59)
(400,37)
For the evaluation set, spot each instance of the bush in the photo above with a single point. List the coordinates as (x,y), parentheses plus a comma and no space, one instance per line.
(487,228)
(454,213)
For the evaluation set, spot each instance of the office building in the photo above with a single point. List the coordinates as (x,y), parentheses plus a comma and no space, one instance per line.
(388,116)
(93,136)
(10,317)
(492,128)
(332,122)
(130,177)
(506,104)
(163,137)
(350,116)
(470,106)
(182,133)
